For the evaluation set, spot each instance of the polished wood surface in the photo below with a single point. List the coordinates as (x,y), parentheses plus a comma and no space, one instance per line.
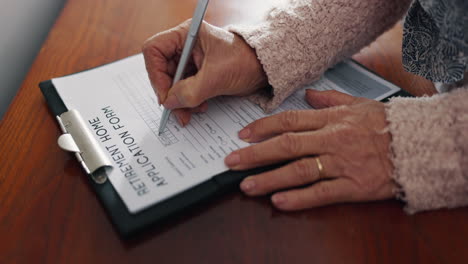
(48,213)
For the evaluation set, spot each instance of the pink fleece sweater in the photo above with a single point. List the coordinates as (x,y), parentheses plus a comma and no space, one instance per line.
(299,41)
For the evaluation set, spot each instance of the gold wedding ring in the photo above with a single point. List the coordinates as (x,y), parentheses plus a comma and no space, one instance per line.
(320,167)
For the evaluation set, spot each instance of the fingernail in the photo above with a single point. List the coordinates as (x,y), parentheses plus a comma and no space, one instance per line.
(244,133)
(232,160)
(172,102)
(247,185)
(181,121)
(278,199)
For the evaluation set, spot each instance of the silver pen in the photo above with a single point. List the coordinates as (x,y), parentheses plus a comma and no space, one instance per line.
(186,53)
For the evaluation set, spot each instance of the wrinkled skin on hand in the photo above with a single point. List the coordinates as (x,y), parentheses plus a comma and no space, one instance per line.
(348,135)
(222,63)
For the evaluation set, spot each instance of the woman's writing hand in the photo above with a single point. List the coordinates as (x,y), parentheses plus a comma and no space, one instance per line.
(222,64)
(348,135)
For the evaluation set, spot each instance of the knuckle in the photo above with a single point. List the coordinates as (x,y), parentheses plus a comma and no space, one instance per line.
(367,187)
(249,155)
(323,192)
(182,29)
(343,135)
(147,47)
(189,97)
(329,115)
(344,111)
(288,119)
(338,168)
(303,171)
(349,134)
(186,23)
(290,144)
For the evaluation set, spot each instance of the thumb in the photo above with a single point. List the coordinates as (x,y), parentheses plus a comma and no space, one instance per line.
(187,93)
(324,99)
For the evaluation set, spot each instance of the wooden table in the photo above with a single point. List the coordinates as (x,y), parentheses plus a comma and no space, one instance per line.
(48,213)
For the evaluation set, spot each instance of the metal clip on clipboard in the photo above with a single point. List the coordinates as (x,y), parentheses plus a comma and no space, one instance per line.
(77,138)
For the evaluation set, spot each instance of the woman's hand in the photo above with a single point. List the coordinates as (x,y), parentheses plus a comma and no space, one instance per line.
(222,64)
(348,135)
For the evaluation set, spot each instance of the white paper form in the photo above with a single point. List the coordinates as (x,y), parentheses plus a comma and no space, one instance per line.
(120,108)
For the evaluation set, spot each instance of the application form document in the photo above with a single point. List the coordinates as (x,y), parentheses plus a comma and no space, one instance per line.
(120,107)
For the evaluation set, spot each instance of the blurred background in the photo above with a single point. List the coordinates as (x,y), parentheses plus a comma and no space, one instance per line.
(24,25)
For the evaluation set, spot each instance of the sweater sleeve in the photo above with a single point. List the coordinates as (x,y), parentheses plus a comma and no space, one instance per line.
(430,149)
(298,41)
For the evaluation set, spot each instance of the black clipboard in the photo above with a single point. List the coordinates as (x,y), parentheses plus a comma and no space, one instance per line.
(129,225)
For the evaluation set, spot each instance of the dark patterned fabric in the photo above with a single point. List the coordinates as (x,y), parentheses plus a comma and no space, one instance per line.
(435,39)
